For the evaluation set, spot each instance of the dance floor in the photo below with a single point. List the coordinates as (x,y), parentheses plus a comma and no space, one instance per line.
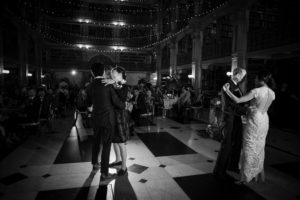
(166,160)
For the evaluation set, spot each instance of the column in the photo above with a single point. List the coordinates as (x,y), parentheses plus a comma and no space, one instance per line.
(38,62)
(1,60)
(240,24)
(174,16)
(23,58)
(173,56)
(159,48)
(197,60)
(158,66)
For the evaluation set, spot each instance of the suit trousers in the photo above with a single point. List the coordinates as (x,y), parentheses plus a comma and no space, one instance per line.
(229,154)
(102,138)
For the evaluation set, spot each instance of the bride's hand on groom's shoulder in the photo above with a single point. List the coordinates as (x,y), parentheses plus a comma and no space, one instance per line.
(226,87)
(108,81)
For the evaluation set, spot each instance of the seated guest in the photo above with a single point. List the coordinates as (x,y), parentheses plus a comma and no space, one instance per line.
(44,101)
(149,101)
(184,98)
(158,99)
(81,106)
(139,105)
(182,103)
(199,100)
(31,107)
(81,101)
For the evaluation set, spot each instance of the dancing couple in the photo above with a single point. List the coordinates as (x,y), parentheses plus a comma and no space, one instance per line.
(107,95)
(243,147)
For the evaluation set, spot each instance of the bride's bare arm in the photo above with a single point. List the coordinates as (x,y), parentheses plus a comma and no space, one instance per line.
(242,99)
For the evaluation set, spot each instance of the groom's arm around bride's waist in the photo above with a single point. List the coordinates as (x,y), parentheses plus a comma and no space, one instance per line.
(235,109)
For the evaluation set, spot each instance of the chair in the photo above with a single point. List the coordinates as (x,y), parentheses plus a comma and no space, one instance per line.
(196,112)
(149,115)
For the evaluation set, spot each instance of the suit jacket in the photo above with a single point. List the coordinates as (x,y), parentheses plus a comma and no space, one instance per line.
(32,109)
(104,100)
(141,103)
(229,107)
(44,106)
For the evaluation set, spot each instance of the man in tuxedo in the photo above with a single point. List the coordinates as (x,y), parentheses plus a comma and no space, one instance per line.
(104,101)
(229,154)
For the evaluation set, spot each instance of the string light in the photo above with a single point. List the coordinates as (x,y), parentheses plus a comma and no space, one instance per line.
(138,10)
(123,25)
(45,35)
(103,38)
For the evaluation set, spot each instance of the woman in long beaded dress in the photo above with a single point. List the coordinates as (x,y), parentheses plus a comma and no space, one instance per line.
(121,134)
(256,127)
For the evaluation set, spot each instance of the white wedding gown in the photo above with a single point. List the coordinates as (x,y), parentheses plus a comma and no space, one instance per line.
(255,132)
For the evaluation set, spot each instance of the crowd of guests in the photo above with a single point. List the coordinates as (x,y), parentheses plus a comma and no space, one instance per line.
(145,99)
(30,109)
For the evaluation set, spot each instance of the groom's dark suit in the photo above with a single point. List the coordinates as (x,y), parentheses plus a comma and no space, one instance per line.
(229,154)
(104,100)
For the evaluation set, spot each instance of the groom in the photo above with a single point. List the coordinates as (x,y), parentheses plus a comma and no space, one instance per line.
(229,154)
(104,101)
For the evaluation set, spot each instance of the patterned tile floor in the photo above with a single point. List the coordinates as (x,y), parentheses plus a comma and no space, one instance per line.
(166,160)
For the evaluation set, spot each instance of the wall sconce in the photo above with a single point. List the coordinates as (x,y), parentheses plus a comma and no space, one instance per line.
(118,48)
(118,23)
(86,46)
(229,73)
(84,20)
(4,71)
(73,72)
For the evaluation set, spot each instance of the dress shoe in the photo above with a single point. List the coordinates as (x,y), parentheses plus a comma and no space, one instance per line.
(122,172)
(96,166)
(115,164)
(106,178)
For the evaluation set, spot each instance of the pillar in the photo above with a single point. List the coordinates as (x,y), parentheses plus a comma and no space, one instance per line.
(38,62)
(158,66)
(240,23)
(23,58)
(173,56)
(197,60)
(1,60)
(159,49)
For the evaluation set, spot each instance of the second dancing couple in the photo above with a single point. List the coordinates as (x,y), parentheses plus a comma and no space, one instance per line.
(107,95)
(243,147)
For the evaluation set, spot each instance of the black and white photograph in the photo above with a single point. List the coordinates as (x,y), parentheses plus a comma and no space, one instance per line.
(149,100)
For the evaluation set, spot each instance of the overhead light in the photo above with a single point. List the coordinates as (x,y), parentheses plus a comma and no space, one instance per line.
(42,76)
(118,48)
(191,76)
(81,20)
(5,71)
(229,73)
(73,72)
(86,46)
(118,23)
(29,74)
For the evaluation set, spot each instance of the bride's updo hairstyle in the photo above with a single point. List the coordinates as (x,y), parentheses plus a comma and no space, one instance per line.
(266,77)
(120,70)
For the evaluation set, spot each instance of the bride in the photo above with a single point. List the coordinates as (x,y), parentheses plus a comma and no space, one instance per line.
(256,127)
